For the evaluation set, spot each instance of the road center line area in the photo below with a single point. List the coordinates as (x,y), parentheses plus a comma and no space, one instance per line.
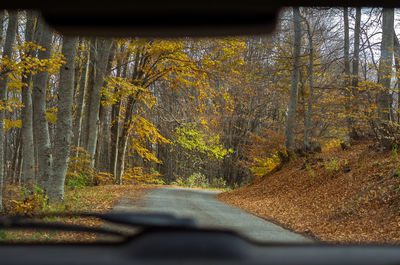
(209,212)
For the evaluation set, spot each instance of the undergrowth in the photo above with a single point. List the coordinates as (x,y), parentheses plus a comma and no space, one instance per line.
(20,201)
(198,180)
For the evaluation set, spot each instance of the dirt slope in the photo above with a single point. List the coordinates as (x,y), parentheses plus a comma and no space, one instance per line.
(350,196)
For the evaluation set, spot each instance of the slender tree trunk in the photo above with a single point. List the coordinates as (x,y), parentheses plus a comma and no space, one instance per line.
(115,112)
(102,126)
(16,158)
(89,90)
(356,54)
(307,119)
(123,139)
(41,129)
(384,99)
(140,62)
(7,53)
(80,98)
(397,65)
(1,28)
(103,52)
(64,121)
(354,135)
(346,45)
(28,154)
(294,83)
(122,71)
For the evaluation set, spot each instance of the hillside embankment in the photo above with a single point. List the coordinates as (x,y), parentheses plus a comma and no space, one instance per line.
(341,196)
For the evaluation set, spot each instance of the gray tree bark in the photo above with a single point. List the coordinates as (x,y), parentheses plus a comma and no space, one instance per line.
(62,139)
(384,98)
(103,51)
(90,85)
(354,79)
(307,118)
(80,98)
(28,154)
(101,146)
(346,44)
(356,53)
(7,53)
(294,83)
(41,129)
(397,65)
(1,28)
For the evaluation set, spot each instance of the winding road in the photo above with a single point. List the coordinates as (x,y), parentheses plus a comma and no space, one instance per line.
(207,211)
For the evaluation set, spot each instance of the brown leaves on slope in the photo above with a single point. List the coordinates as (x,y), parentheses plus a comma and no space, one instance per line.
(350,196)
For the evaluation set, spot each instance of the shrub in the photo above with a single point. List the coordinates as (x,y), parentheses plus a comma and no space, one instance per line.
(332,165)
(198,180)
(218,183)
(79,180)
(31,202)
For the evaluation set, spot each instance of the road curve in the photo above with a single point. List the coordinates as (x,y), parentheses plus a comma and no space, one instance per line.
(207,211)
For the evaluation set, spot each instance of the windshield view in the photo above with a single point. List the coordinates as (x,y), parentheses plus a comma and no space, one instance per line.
(289,137)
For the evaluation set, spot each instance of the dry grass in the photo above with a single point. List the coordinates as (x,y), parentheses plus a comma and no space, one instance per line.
(99,199)
(350,196)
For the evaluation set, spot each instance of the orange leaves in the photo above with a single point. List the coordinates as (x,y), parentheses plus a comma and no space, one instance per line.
(262,155)
(343,206)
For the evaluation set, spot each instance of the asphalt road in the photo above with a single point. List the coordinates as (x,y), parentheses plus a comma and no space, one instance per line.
(207,211)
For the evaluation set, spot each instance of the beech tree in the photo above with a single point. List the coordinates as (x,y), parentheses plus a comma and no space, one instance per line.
(4,79)
(294,82)
(384,98)
(28,154)
(64,121)
(40,124)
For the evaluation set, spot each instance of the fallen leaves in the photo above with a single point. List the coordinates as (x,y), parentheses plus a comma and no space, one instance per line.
(99,199)
(356,201)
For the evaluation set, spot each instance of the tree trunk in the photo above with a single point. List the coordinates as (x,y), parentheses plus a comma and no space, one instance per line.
(41,129)
(308,114)
(140,62)
(122,71)
(1,28)
(102,126)
(80,98)
(294,83)
(64,121)
(90,85)
(28,154)
(354,135)
(346,45)
(384,99)
(397,65)
(7,53)
(356,54)
(103,51)
(123,139)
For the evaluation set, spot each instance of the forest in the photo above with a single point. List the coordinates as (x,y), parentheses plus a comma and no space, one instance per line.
(215,112)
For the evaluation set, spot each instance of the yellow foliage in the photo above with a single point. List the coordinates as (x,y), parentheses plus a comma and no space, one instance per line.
(264,165)
(141,175)
(8,124)
(332,144)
